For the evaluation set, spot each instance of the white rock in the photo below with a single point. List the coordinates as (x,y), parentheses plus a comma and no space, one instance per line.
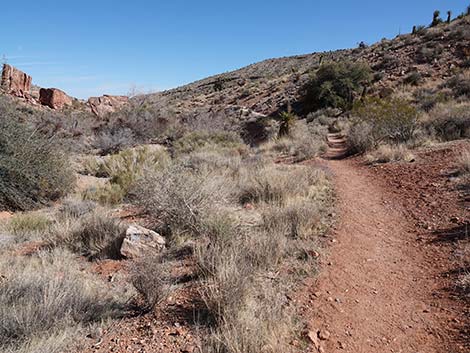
(140,240)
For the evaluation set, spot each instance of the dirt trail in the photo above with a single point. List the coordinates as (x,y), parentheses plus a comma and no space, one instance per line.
(374,293)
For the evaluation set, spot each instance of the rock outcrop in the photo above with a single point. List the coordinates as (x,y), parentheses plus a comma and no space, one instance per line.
(101,106)
(139,241)
(54,98)
(15,81)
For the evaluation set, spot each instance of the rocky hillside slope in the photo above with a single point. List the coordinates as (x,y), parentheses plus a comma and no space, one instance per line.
(425,59)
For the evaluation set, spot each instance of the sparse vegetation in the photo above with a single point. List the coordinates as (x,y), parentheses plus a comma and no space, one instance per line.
(46,301)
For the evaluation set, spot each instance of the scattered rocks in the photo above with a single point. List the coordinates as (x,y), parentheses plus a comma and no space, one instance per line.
(101,106)
(139,241)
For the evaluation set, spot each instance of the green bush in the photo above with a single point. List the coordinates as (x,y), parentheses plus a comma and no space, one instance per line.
(336,85)
(392,120)
(33,169)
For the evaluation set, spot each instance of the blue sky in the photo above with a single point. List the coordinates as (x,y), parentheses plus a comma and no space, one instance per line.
(92,47)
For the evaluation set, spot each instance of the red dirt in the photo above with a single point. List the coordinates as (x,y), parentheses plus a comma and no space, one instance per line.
(385,284)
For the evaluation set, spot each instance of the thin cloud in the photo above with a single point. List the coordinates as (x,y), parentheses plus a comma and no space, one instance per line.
(35,63)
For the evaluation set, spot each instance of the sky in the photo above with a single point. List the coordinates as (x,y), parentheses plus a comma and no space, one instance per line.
(94,47)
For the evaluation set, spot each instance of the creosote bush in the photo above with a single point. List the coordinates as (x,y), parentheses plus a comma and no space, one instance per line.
(33,169)
(382,120)
(336,85)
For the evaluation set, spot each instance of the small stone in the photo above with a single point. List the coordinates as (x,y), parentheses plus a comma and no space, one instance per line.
(324,335)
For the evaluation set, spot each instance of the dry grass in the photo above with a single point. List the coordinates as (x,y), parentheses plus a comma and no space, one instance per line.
(26,226)
(95,235)
(47,300)
(305,141)
(390,153)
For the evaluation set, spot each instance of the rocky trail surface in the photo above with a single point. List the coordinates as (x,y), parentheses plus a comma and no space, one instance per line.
(381,289)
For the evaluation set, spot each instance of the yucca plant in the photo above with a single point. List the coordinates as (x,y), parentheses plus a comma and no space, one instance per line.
(287,121)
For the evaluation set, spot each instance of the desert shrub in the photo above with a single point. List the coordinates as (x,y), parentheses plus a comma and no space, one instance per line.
(106,195)
(383,120)
(305,141)
(390,153)
(275,184)
(28,225)
(47,301)
(427,100)
(297,220)
(428,53)
(33,169)
(179,198)
(460,84)
(336,85)
(210,161)
(113,141)
(95,236)
(414,78)
(388,61)
(123,170)
(150,277)
(450,121)
(199,140)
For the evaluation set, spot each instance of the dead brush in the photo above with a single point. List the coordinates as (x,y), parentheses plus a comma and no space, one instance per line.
(151,278)
(179,198)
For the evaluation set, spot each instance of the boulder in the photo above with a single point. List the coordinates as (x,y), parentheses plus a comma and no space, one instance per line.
(140,241)
(15,81)
(101,106)
(54,98)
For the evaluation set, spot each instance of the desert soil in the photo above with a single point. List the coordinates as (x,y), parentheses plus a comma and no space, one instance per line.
(385,285)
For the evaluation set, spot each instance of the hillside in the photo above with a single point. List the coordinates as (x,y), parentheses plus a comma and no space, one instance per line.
(433,55)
